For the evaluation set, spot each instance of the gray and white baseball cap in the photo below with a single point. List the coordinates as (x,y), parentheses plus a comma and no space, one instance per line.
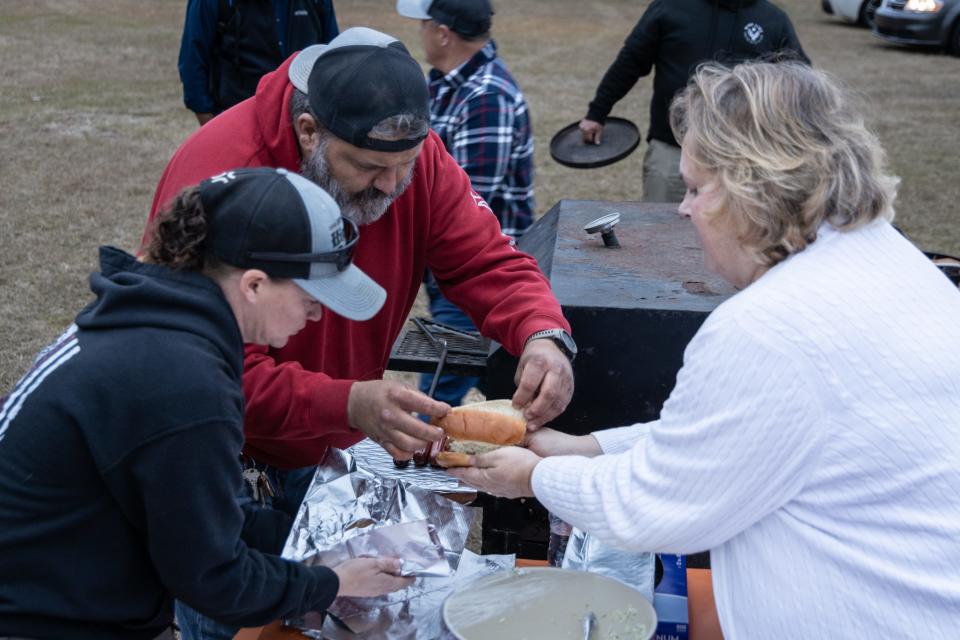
(302,65)
(358,80)
(288,227)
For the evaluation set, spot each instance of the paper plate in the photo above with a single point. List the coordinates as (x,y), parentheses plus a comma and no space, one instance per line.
(549,604)
(620,137)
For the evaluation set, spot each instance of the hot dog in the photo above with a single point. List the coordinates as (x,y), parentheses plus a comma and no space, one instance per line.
(478,428)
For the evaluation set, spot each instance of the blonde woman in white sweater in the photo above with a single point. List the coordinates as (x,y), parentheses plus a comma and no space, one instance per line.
(812,441)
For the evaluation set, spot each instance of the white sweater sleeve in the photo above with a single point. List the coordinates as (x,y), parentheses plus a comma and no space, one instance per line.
(736,440)
(620,439)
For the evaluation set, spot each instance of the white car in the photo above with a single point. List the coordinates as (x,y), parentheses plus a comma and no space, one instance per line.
(859,11)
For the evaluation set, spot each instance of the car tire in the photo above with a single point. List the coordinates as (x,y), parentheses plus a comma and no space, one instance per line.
(953,44)
(868,12)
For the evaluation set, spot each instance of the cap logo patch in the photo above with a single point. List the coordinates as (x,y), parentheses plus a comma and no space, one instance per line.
(224,178)
(753,33)
(336,235)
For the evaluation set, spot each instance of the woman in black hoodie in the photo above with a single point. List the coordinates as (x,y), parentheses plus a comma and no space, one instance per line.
(119,449)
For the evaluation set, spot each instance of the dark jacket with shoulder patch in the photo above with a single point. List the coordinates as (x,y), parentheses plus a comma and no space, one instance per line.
(674,36)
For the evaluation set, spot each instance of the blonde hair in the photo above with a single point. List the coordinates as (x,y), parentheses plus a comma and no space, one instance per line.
(788,151)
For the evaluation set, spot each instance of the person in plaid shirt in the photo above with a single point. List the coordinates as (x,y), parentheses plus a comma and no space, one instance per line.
(480,113)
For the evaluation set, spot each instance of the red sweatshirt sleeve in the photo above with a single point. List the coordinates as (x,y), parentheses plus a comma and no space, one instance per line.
(292,415)
(500,288)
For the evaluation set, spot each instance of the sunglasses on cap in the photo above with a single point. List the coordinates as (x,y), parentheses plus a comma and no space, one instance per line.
(342,257)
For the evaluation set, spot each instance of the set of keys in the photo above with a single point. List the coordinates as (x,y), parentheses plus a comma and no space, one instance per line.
(260,485)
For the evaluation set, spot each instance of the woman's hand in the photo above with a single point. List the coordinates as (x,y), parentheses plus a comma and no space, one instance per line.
(369,577)
(549,442)
(505,472)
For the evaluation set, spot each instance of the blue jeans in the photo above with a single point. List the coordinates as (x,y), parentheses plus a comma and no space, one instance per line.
(450,389)
(196,626)
(292,485)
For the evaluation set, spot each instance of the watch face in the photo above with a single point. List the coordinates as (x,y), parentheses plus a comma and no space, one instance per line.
(568,342)
(565,341)
(561,338)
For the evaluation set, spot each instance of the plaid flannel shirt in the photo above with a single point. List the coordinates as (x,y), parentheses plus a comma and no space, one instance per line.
(481,116)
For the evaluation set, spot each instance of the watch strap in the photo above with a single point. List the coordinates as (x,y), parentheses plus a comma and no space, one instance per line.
(559,337)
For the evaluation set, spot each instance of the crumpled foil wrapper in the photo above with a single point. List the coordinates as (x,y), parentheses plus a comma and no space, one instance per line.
(370,456)
(586,552)
(360,504)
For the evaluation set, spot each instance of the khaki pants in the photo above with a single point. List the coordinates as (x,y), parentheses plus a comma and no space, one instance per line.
(661,173)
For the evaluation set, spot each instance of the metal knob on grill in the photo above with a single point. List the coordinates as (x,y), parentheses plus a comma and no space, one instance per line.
(604,226)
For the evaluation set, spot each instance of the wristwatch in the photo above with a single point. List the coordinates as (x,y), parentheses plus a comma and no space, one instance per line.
(561,338)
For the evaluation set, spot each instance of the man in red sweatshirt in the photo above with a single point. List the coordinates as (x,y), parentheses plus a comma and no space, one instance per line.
(353,116)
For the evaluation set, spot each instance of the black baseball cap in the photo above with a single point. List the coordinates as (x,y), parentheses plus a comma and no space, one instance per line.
(466,17)
(288,227)
(359,79)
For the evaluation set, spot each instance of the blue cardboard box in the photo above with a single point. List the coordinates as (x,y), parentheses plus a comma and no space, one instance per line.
(670,599)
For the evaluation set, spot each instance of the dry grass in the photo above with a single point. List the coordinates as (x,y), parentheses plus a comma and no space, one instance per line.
(90,112)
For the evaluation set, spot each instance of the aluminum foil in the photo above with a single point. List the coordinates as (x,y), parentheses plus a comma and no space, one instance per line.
(361,505)
(371,456)
(586,552)
(415,542)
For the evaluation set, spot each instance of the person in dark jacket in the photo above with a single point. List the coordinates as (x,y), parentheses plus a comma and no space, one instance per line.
(227,45)
(672,38)
(119,449)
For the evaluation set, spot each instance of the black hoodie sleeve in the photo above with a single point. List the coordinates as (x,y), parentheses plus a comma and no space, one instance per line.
(265,529)
(635,60)
(181,490)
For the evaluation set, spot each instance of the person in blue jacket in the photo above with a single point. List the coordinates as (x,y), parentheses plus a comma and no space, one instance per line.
(228,45)
(119,449)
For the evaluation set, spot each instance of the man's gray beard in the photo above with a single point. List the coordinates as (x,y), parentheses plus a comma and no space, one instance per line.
(364,207)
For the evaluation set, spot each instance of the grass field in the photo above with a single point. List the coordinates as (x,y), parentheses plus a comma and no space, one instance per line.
(90,111)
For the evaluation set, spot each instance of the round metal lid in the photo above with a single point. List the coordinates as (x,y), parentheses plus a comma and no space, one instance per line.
(620,137)
(547,604)
(602,223)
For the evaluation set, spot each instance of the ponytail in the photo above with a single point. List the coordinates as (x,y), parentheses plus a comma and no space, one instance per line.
(178,235)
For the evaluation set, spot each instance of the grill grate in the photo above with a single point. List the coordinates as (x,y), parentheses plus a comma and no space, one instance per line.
(467,351)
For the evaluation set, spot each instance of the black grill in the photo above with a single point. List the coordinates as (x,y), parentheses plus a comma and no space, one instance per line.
(896,5)
(414,351)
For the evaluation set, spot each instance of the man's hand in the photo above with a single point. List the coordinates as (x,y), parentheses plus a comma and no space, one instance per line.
(505,472)
(544,382)
(203,118)
(370,577)
(591,130)
(549,442)
(382,410)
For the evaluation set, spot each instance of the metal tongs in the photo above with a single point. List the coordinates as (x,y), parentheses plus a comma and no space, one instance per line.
(441,345)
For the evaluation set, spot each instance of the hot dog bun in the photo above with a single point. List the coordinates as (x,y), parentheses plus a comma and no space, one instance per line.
(478,428)
(493,421)
(449,459)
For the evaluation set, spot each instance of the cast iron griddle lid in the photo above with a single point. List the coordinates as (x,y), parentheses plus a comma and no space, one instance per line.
(620,137)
